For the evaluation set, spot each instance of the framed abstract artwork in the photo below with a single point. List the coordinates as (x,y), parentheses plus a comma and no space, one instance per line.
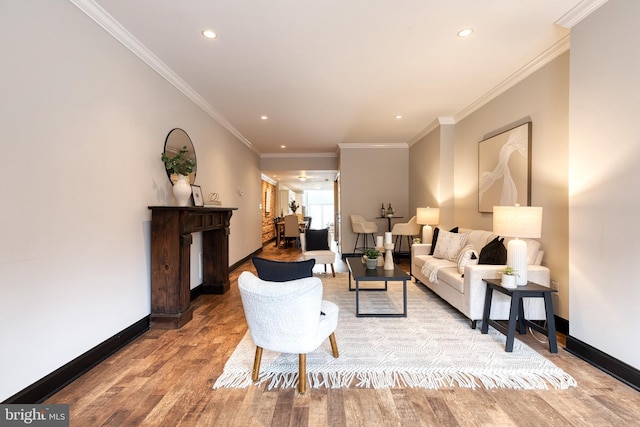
(504,169)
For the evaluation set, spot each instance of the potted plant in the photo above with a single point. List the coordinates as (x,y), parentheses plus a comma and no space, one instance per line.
(179,167)
(179,164)
(293,206)
(509,276)
(371,257)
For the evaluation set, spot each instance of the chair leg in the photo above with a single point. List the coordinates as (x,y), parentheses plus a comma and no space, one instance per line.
(256,364)
(333,271)
(334,345)
(302,373)
(355,247)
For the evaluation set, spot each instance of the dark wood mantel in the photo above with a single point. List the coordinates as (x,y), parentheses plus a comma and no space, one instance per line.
(171,228)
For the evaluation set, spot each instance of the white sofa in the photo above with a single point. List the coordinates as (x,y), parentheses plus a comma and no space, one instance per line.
(466,291)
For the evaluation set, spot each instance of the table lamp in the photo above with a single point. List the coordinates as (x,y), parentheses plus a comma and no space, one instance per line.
(517,222)
(427,217)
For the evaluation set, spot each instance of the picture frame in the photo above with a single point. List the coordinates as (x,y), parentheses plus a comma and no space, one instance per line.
(504,169)
(196,192)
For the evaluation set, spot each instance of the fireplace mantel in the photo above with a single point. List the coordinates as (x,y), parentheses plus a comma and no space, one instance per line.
(171,228)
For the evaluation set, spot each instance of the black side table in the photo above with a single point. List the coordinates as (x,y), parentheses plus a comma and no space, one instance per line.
(516,313)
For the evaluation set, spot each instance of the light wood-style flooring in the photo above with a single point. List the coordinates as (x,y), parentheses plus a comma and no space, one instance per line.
(164,378)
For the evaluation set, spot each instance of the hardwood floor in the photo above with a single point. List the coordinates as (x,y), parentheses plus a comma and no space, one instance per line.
(164,378)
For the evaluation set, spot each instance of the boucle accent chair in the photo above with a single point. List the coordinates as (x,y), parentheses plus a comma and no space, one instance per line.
(287,317)
(316,245)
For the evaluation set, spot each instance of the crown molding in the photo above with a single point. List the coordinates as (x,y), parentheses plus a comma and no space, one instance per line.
(295,155)
(547,56)
(579,12)
(111,26)
(269,180)
(344,145)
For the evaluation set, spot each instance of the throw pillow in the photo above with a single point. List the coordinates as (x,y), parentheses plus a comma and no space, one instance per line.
(494,253)
(317,240)
(280,271)
(449,245)
(434,239)
(468,256)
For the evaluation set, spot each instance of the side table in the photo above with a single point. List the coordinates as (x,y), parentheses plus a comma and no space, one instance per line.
(516,313)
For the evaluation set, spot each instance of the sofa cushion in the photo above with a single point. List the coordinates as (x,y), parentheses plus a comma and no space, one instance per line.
(434,239)
(449,245)
(280,271)
(317,240)
(452,278)
(467,256)
(479,238)
(494,253)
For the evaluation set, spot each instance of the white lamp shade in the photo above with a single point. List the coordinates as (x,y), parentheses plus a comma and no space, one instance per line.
(517,221)
(428,216)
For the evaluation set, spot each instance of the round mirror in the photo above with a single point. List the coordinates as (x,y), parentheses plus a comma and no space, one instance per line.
(177,140)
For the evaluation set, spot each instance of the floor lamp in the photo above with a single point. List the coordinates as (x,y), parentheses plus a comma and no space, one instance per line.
(427,217)
(518,222)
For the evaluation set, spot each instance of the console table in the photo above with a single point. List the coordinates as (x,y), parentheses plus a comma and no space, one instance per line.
(171,228)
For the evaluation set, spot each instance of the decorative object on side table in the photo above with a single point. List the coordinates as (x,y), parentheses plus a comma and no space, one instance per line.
(509,276)
(518,221)
(371,258)
(389,211)
(388,251)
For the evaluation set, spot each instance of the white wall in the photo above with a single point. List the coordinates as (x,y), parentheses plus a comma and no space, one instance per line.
(83,124)
(604,176)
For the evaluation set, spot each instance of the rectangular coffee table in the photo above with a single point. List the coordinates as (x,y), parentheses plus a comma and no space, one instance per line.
(361,273)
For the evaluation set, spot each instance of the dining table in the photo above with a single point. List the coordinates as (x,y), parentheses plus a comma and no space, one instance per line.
(302,226)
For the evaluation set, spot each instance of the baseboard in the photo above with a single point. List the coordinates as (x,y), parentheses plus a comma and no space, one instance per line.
(55,381)
(562,325)
(612,366)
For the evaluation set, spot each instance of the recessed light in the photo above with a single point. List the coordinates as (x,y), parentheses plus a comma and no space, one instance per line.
(398,116)
(263,117)
(283,146)
(465,32)
(302,178)
(209,34)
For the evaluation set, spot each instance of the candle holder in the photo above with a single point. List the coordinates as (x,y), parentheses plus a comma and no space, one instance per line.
(388,256)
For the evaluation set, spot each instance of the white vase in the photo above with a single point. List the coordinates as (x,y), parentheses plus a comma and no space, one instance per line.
(182,190)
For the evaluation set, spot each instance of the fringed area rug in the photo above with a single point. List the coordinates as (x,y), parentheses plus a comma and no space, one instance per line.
(434,347)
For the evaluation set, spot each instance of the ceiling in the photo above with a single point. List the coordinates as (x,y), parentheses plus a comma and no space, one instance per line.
(336,72)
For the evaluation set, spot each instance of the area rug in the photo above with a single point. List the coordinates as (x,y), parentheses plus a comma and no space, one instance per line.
(433,347)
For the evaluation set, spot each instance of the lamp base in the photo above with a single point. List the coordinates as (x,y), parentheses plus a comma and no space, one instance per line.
(427,234)
(517,259)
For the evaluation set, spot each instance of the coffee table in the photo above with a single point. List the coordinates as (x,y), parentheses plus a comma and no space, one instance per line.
(360,273)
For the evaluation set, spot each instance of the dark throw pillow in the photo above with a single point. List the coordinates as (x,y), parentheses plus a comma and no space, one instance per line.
(279,271)
(317,240)
(434,240)
(494,253)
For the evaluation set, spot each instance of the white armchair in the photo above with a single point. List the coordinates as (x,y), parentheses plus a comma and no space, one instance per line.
(287,317)
(359,225)
(318,247)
